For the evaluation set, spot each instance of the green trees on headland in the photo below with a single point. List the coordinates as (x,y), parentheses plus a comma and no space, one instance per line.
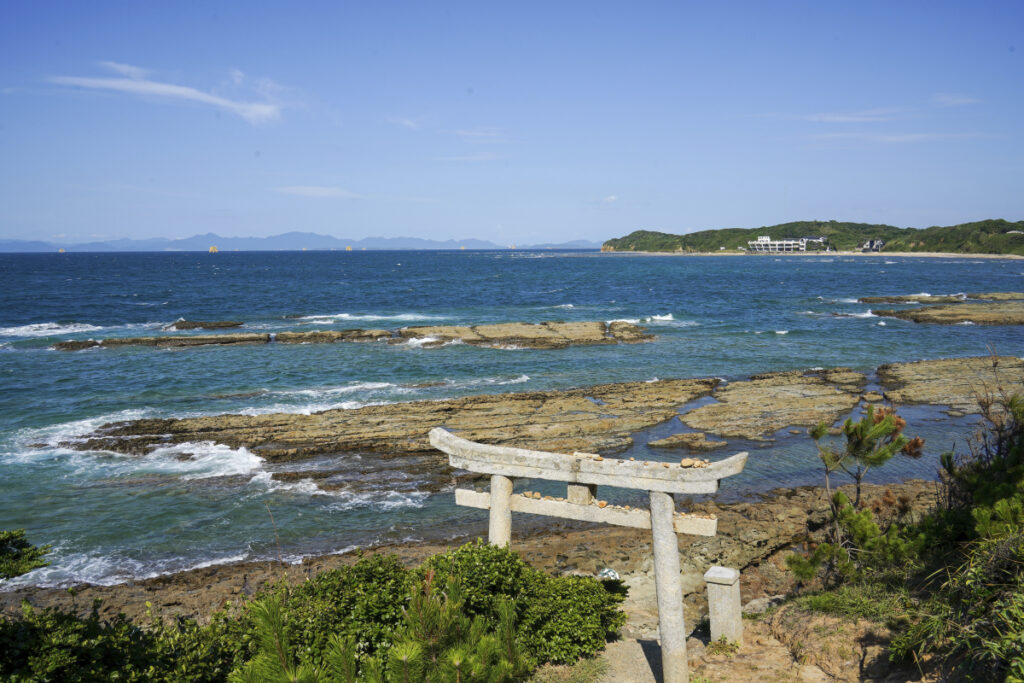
(982,237)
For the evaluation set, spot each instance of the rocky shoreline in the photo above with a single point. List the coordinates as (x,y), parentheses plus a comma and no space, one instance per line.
(754,537)
(600,419)
(545,335)
(984,308)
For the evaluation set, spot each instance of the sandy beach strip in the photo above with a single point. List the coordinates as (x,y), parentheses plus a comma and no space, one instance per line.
(830,254)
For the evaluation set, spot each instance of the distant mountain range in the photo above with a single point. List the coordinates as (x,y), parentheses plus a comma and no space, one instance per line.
(289,241)
(994,236)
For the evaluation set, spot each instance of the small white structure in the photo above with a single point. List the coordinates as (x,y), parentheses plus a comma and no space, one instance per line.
(584,472)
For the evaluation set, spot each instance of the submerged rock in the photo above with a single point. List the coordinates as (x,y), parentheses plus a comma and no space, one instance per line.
(998,296)
(173,341)
(203,325)
(911,299)
(997,313)
(694,441)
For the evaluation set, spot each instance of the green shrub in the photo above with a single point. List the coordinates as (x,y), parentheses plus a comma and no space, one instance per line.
(559,619)
(364,602)
(496,616)
(53,645)
(569,617)
(18,556)
(486,573)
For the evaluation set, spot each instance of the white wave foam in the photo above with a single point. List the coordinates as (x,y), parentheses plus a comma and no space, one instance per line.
(46,329)
(881,323)
(342,499)
(490,381)
(781,331)
(663,318)
(74,430)
(106,570)
(208,460)
(419,342)
(563,306)
(864,314)
(966,322)
(847,300)
(309,408)
(377,500)
(334,391)
(338,317)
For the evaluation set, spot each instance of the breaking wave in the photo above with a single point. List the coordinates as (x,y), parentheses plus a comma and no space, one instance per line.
(330,319)
(47,329)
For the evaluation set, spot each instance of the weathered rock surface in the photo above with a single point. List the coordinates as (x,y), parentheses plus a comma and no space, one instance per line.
(997,313)
(694,442)
(956,382)
(547,335)
(764,404)
(174,341)
(599,418)
(911,299)
(998,296)
(753,537)
(203,325)
(941,299)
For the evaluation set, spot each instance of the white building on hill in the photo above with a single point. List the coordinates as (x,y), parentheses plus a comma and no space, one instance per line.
(766,245)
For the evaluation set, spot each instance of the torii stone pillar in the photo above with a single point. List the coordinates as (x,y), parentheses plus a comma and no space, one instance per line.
(671,626)
(583,472)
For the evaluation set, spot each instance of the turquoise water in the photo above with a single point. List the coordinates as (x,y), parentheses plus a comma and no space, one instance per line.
(113,517)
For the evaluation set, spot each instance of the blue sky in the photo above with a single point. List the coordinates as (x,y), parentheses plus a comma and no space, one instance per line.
(515,122)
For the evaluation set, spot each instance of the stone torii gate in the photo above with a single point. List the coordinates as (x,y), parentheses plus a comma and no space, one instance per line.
(584,472)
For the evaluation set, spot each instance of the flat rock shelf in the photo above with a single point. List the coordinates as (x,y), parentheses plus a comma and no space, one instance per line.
(545,335)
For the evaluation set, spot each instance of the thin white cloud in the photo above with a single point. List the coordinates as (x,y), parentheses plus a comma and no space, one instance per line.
(135,72)
(949,99)
(484,134)
(411,124)
(319,191)
(610,199)
(896,138)
(134,80)
(866,116)
(469,158)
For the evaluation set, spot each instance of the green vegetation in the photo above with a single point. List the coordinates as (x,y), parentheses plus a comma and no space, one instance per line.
(981,237)
(951,584)
(18,556)
(495,619)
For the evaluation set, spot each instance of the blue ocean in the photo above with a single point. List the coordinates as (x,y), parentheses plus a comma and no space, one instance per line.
(113,518)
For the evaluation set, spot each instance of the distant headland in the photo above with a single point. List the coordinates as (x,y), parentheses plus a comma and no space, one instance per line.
(994,236)
(289,241)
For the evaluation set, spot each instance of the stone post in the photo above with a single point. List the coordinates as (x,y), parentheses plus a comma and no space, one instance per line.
(724,604)
(669,589)
(499,530)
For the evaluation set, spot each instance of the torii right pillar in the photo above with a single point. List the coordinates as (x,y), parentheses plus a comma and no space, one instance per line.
(671,627)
